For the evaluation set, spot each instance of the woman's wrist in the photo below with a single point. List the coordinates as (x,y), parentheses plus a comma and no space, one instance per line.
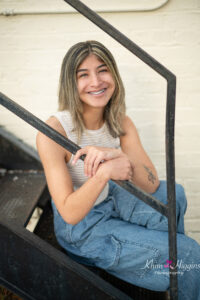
(102,174)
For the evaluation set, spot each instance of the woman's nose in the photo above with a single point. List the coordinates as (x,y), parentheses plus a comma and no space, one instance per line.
(95,80)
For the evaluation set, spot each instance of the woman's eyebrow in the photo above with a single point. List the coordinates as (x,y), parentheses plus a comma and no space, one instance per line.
(85,70)
(81,70)
(102,65)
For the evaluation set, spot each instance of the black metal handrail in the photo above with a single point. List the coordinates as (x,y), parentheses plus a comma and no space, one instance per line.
(73,148)
(168,210)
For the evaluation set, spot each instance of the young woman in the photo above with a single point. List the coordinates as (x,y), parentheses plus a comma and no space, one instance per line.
(95,220)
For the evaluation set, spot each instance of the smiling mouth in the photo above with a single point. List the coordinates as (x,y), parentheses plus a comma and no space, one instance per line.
(97,92)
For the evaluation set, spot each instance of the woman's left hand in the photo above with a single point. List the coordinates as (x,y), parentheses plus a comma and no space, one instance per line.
(95,156)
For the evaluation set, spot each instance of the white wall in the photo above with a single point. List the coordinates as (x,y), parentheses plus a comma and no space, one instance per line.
(32,48)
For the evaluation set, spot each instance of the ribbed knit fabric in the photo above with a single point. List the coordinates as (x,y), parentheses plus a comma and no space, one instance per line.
(100,137)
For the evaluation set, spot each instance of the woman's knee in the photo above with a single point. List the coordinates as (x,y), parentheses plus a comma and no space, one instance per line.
(161,194)
(187,249)
(181,200)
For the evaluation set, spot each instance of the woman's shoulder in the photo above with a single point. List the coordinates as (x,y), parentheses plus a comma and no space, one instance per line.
(127,124)
(42,139)
(130,132)
(55,124)
(47,148)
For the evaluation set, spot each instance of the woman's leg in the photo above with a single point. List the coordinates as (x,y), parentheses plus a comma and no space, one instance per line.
(142,254)
(134,210)
(131,252)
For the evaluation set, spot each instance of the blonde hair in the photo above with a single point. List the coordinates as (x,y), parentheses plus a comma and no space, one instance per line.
(68,93)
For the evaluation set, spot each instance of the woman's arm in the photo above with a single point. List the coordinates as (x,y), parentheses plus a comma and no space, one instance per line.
(144,172)
(72,205)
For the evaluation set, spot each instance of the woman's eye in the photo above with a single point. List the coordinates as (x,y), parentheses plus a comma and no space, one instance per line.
(83,75)
(103,70)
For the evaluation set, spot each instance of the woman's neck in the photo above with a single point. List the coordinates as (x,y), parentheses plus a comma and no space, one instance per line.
(93,119)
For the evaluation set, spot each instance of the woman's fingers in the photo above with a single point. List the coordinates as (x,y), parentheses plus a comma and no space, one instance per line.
(106,153)
(130,176)
(96,164)
(88,164)
(92,162)
(78,154)
(118,169)
(94,157)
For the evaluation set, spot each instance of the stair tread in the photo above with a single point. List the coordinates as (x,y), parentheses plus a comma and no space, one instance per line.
(19,194)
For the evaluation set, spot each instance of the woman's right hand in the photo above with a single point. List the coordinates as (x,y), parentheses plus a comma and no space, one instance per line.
(95,156)
(117,169)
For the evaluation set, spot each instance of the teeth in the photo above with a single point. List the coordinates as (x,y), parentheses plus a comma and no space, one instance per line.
(97,93)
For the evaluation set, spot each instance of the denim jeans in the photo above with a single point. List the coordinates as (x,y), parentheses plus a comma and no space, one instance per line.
(129,239)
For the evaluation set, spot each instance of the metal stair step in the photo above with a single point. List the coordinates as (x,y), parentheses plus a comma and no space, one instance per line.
(19,194)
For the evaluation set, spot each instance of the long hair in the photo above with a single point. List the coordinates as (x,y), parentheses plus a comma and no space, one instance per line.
(69,99)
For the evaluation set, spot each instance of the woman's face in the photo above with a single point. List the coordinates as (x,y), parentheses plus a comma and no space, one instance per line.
(94,82)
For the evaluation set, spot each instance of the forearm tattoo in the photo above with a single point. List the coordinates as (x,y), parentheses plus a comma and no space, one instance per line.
(151,177)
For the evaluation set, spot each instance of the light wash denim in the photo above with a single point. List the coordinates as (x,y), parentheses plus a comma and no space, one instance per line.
(129,239)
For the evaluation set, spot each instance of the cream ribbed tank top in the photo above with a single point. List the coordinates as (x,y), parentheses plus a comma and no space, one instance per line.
(100,137)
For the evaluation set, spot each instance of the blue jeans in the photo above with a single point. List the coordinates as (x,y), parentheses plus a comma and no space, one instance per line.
(129,239)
